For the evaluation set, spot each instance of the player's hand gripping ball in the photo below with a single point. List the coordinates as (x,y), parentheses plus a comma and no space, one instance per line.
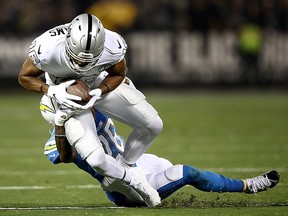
(81,89)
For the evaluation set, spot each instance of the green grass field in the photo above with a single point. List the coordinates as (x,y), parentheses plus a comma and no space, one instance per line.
(238,134)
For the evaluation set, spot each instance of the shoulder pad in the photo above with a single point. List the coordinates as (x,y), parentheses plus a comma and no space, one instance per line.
(115,45)
(44,47)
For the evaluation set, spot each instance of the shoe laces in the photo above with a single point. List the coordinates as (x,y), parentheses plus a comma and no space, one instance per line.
(258,183)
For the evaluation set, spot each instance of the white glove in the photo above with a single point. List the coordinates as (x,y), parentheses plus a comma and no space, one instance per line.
(96,92)
(58,92)
(63,114)
(96,95)
(89,105)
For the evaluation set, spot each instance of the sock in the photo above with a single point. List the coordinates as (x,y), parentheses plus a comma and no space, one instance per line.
(83,165)
(245,185)
(127,176)
(210,181)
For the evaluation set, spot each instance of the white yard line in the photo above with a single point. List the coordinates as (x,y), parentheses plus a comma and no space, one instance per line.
(245,169)
(60,208)
(35,187)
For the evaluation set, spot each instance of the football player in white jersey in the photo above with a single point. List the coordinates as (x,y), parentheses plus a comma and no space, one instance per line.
(84,49)
(160,173)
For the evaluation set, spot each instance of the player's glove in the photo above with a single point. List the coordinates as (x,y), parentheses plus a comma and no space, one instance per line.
(64,113)
(96,95)
(58,92)
(96,92)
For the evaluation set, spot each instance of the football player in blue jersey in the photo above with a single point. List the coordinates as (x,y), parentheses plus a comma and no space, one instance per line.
(161,174)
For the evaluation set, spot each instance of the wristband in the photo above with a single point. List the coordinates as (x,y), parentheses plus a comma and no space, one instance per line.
(60,135)
(41,86)
(108,89)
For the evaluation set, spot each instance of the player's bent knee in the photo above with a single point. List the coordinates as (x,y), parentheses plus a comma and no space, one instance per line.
(97,159)
(74,130)
(155,126)
(174,173)
(80,133)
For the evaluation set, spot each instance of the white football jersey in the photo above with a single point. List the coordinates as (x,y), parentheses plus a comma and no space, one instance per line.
(48,54)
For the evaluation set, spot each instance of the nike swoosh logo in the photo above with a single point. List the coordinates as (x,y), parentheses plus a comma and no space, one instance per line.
(119,45)
(39,52)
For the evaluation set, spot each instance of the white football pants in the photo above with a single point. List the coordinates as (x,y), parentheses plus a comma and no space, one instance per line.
(81,133)
(128,105)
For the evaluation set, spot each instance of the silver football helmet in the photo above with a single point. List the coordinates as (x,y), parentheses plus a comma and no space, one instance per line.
(84,42)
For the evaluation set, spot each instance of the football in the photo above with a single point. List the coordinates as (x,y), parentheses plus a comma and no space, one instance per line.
(81,89)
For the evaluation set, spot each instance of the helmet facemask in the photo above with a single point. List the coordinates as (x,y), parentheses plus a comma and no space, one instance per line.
(78,64)
(84,42)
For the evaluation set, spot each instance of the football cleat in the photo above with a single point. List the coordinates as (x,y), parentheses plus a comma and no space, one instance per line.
(262,182)
(143,188)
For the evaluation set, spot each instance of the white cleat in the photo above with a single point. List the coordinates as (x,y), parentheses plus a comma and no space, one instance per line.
(262,182)
(140,184)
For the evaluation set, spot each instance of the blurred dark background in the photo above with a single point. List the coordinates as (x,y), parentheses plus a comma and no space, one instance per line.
(171,42)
